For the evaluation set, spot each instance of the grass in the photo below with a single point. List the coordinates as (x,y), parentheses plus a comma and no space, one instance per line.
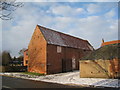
(31,73)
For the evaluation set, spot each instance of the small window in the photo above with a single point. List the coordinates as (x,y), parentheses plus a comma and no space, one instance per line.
(59,49)
(84,50)
(26,53)
(26,61)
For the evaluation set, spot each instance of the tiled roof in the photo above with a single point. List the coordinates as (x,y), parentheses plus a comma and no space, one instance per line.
(61,39)
(110,42)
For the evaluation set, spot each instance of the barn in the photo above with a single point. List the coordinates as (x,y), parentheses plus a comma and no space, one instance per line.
(50,51)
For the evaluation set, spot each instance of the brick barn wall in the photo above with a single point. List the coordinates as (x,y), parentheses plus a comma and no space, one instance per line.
(53,59)
(56,60)
(37,53)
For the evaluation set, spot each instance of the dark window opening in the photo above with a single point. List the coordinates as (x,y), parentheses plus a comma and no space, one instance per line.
(26,53)
(26,61)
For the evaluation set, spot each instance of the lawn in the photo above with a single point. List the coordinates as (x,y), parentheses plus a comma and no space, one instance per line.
(31,73)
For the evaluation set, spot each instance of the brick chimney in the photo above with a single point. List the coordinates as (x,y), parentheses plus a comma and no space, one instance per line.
(102,40)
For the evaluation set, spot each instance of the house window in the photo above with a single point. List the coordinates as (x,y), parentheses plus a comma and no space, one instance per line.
(59,49)
(26,53)
(26,61)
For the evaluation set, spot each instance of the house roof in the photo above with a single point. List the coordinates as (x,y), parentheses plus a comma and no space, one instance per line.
(26,50)
(61,39)
(110,42)
(108,52)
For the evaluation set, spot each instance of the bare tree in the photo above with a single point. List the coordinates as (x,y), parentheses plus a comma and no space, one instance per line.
(7,7)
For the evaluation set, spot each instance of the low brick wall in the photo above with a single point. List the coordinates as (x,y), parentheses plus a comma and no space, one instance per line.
(100,68)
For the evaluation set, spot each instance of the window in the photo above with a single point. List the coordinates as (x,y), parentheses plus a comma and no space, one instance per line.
(27,53)
(26,61)
(59,49)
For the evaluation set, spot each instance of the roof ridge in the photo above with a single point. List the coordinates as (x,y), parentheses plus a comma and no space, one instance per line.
(62,39)
(62,33)
(110,42)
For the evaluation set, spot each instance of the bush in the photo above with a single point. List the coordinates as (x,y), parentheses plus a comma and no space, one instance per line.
(14,68)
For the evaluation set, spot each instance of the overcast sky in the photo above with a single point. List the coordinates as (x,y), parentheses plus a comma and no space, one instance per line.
(91,21)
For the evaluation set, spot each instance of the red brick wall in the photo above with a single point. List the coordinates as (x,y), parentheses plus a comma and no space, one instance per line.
(114,67)
(37,52)
(25,58)
(100,68)
(56,60)
(43,58)
(53,59)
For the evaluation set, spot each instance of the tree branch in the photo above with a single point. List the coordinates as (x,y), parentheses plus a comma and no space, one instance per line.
(8,6)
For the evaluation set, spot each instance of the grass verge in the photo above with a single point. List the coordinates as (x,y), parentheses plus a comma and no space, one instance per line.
(31,73)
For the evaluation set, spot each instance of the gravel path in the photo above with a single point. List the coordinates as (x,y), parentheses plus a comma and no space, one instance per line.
(71,78)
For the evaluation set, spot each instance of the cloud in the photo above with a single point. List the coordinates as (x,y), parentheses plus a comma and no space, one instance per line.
(105,0)
(101,7)
(17,33)
(66,11)
(94,28)
(110,14)
(18,36)
(67,0)
(93,8)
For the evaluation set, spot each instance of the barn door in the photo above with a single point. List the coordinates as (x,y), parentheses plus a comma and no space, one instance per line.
(66,65)
(73,64)
(63,65)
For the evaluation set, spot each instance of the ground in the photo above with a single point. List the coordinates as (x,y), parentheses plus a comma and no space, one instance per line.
(70,78)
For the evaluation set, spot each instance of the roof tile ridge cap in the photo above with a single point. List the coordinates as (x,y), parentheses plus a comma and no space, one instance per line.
(112,41)
(40,26)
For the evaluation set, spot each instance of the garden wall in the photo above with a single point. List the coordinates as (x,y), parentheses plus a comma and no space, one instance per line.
(100,68)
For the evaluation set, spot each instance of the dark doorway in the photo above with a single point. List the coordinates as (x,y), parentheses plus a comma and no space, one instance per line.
(66,65)
(63,65)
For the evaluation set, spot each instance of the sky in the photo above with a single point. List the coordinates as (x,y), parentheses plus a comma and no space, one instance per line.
(90,21)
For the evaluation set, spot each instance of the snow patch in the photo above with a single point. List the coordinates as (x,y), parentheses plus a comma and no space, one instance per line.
(69,78)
